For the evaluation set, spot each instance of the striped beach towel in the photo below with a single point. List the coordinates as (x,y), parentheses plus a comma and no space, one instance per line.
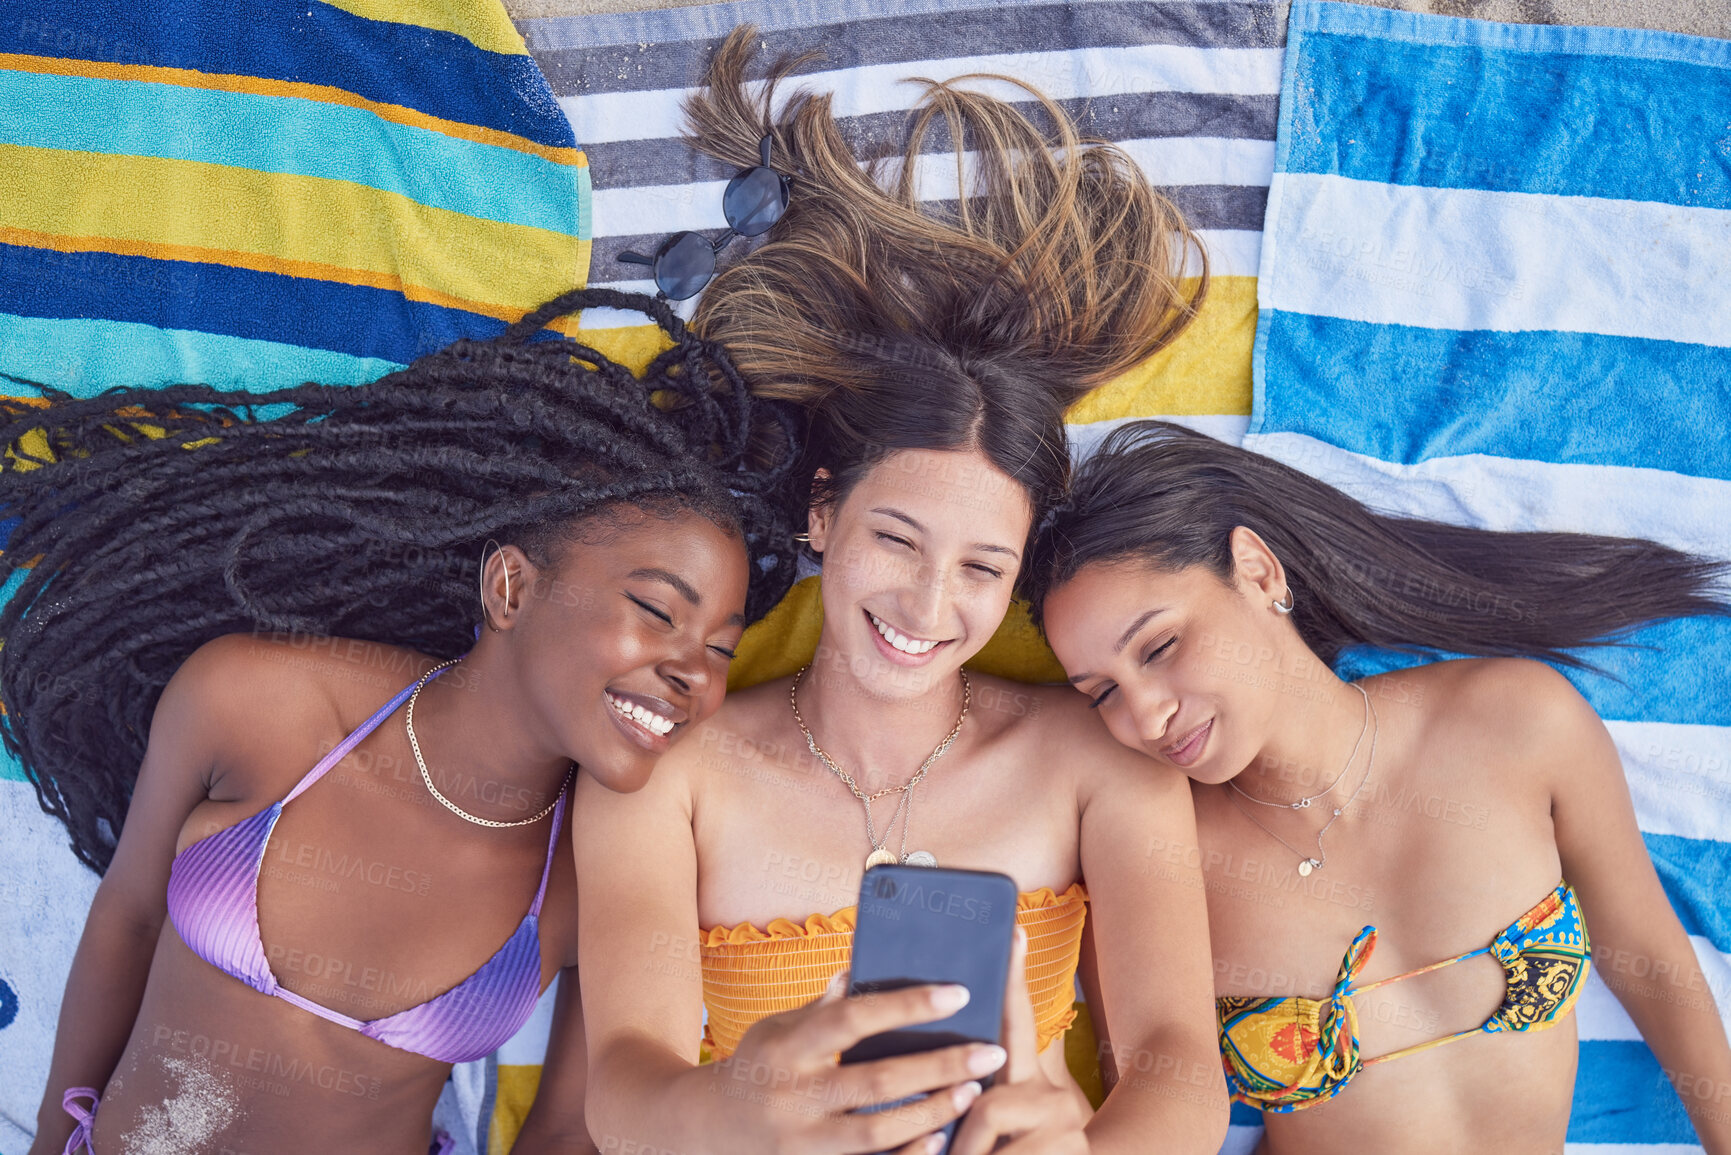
(1188,88)
(1496,290)
(251,195)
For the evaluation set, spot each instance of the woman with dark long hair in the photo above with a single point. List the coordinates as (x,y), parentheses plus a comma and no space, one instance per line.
(933,346)
(1400,866)
(223,590)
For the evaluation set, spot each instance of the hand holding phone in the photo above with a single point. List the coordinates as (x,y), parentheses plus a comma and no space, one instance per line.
(1024,1105)
(782,1090)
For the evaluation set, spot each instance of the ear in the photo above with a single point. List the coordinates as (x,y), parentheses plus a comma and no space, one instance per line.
(1259,574)
(817,517)
(507,575)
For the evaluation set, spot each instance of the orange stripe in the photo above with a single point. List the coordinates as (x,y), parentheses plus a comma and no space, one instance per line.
(264,263)
(265,86)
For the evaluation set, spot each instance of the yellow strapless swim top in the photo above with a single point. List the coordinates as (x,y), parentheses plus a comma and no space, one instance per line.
(1285,1054)
(750,973)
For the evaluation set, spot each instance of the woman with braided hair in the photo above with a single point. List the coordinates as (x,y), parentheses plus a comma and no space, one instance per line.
(219,590)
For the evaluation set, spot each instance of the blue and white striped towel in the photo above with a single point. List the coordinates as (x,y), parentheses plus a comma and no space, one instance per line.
(1496,290)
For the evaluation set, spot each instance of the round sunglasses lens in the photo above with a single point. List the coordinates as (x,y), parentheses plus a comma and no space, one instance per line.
(754,200)
(684,265)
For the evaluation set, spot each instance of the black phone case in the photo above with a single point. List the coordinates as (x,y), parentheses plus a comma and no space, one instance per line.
(919,924)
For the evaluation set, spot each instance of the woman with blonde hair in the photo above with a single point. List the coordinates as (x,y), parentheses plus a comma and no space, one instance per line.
(933,345)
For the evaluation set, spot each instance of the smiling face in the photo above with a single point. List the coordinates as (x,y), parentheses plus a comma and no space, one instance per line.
(919,561)
(623,644)
(1158,651)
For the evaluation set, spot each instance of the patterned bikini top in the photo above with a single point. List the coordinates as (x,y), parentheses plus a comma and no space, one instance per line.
(1285,1054)
(213,905)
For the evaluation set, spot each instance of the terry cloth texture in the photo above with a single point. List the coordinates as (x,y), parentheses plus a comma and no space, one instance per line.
(249,195)
(1494,291)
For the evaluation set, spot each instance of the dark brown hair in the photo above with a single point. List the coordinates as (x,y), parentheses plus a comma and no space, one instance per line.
(1170,497)
(971,323)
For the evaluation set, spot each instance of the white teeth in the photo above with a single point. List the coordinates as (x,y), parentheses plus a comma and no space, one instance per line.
(899,640)
(648,719)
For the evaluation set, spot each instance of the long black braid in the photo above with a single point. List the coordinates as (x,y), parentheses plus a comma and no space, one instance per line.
(153,520)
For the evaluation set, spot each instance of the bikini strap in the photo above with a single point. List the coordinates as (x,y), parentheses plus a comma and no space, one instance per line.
(552,846)
(359,732)
(1421,970)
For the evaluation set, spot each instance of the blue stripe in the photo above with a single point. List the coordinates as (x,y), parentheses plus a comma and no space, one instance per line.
(1622,1096)
(287,135)
(132,355)
(1676,671)
(1244,1115)
(213,298)
(1697,876)
(438,73)
(1448,116)
(1406,394)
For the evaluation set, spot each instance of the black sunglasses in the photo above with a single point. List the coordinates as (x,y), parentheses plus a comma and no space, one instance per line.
(754,200)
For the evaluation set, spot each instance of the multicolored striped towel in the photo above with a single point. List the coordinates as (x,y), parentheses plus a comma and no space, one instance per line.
(252,195)
(1496,290)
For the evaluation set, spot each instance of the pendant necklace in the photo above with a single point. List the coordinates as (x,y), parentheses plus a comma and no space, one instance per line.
(1308,863)
(879,856)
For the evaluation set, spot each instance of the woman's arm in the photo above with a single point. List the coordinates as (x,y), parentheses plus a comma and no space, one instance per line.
(106,984)
(1639,946)
(555,1122)
(1155,970)
(782,1091)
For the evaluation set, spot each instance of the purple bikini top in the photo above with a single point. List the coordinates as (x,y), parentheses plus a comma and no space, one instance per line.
(213,904)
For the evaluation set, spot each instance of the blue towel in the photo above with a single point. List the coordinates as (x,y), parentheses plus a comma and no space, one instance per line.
(1496,290)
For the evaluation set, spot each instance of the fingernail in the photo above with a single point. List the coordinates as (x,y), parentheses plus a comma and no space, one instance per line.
(934,1143)
(964,1095)
(984,1060)
(950,998)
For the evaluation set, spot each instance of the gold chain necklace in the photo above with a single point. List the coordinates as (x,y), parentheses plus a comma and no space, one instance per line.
(879,856)
(415,745)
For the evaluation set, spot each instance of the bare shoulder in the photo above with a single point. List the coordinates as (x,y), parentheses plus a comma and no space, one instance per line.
(263,692)
(1515,709)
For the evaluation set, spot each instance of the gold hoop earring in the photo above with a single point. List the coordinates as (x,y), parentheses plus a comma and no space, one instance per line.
(802,538)
(497,548)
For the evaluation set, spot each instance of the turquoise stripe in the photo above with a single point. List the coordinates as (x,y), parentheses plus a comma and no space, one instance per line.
(29,345)
(1396,98)
(1674,671)
(289,135)
(1622,1096)
(1405,394)
(439,73)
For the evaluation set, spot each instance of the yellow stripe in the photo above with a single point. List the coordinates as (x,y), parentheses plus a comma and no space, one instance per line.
(482,23)
(786,638)
(265,86)
(281,223)
(633,346)
(1206,370)
(514,1095)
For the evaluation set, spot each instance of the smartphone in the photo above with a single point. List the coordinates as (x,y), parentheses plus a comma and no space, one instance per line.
(927,924)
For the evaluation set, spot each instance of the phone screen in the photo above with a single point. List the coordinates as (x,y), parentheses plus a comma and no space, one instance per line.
(924,924)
